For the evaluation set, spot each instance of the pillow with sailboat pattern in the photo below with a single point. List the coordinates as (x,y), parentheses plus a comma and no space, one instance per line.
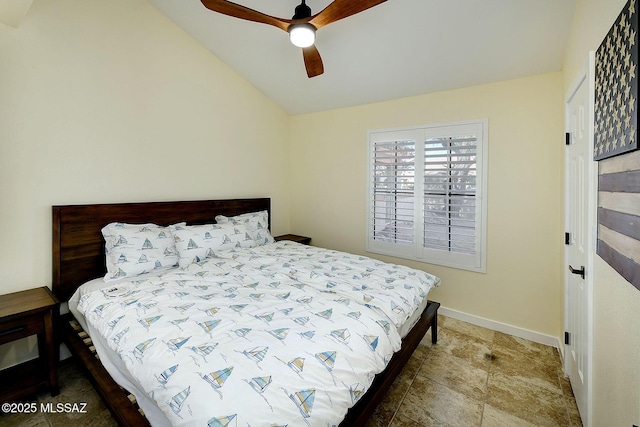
(257,224)
(196,243)
(135,249)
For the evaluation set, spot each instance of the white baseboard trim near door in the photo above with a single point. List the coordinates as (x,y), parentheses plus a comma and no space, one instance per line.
(504,328)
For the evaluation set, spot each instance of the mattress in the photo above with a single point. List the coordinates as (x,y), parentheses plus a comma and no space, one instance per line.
(298,334)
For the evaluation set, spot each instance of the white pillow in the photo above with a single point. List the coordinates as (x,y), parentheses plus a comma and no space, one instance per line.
(196,243)
(134,249)
(257,224)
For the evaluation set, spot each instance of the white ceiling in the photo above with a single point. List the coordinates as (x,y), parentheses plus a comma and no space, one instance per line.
(399,48)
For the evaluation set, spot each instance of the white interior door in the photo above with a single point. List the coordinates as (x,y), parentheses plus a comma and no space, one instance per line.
(580,240)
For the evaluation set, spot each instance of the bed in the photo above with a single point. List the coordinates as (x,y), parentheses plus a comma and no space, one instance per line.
(311,371)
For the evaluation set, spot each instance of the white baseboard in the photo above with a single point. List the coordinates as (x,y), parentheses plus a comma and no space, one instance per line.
(505,328)
(64,352)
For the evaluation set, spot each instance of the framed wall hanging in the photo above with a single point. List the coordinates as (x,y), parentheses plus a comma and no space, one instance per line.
(616,146)
(616,87)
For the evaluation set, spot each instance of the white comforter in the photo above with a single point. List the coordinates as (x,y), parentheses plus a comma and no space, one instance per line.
(282,334)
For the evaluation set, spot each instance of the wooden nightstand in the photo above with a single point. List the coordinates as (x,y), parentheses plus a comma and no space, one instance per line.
(295,238)
(22,314)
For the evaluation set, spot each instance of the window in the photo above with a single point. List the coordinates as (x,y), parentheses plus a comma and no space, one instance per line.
(427,194)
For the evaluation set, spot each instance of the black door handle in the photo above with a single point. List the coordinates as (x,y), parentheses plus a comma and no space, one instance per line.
(580,272)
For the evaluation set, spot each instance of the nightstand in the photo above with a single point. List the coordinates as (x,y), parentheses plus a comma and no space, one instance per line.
(294,238)
(22,314)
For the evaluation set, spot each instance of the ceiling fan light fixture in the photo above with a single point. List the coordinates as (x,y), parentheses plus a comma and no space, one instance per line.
(301,27)
(302,35)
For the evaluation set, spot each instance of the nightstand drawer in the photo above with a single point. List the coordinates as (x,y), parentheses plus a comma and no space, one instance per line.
(19,328)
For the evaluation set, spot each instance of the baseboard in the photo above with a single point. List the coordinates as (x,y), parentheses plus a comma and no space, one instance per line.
(64,352)
(505,328)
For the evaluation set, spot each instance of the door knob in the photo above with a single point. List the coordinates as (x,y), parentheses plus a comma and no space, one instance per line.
(579,272)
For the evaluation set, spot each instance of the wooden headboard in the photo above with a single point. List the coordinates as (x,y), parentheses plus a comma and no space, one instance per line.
(78,245)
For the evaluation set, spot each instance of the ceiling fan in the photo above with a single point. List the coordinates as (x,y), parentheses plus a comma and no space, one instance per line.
(302,26)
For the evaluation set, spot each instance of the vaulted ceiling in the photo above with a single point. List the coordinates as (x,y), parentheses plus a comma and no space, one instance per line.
(396,49)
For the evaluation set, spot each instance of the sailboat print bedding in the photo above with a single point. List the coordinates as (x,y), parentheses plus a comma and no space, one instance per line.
(279,334)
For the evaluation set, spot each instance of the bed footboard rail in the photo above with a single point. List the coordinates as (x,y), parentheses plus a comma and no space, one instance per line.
(366,406)
(116,399)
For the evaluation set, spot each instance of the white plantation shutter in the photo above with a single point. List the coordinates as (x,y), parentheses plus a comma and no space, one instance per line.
(392,195)
(393,191)
(450,194)
(427,194)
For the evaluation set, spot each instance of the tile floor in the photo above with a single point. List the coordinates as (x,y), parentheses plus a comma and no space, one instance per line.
(472,377)
(477,377)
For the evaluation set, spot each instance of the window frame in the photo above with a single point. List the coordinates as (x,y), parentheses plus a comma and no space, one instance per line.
(416,251)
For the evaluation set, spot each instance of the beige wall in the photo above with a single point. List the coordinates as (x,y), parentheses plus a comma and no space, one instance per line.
(616,344)
(523,284)
(108,101)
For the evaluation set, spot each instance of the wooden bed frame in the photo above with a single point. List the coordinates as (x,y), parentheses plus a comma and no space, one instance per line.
(78,256)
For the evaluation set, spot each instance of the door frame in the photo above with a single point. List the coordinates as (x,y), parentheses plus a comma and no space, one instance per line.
(586,74)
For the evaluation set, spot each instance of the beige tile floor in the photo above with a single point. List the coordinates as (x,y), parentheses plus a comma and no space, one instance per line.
(477,377)
(472,377)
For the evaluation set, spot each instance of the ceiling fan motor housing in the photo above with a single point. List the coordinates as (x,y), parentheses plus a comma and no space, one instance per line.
(302,11)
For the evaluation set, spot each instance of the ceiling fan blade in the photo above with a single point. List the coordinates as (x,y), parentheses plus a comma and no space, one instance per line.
(312,61)
(340,9)
(238,11)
